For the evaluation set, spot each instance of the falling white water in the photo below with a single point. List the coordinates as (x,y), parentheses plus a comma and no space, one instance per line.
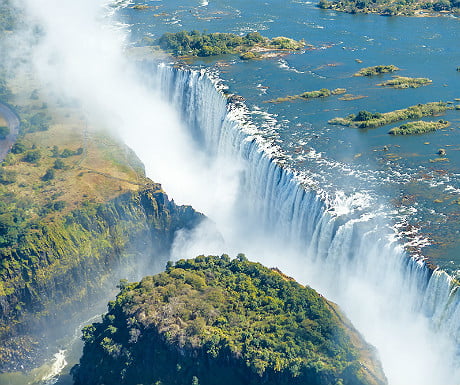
(195,144)
(58,364)
(344,249)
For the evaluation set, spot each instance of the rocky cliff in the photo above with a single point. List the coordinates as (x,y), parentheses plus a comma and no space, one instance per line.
(77,214)
(59,269)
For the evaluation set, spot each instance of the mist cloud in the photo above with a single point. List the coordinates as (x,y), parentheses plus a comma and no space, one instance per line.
(80,54)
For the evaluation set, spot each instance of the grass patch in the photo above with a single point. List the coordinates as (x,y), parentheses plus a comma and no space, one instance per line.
(418,127)
(405,82)
(349,97)
(376,70)
(69,150)
(322,93)
(365,119)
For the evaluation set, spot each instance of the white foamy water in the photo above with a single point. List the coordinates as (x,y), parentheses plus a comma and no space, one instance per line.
(342,245)
(58,364)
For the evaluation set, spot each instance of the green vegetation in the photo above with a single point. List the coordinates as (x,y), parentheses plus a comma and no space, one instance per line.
(282,42)
(39,121)
(405,82)
(7,177)
(18,148)
(349,97)
(376,70)
(322,93)
(365,119)
(75,205)
(4,132)
(214,320)
(250,56)
(195,43)
(392,7)
(32,156)
(418,127)
(59,164)
(140,6)
(48,175)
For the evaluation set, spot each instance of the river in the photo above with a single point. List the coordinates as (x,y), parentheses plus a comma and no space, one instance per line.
(319,201)
(405,171)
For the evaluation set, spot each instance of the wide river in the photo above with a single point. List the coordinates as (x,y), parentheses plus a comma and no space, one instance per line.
(401,176)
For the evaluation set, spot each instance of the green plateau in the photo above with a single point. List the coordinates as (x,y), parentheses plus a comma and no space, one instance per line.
(214,320)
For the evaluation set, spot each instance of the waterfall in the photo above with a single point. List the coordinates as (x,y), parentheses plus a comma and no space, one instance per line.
(408,311)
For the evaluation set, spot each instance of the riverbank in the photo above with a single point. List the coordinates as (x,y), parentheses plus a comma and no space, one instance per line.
(392,8)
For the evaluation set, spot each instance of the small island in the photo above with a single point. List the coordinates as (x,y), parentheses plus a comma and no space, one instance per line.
(322,93)
(366,119)
(376,70)
(405,82)
(419,127)
(213,320)
(250,46)
(393,7)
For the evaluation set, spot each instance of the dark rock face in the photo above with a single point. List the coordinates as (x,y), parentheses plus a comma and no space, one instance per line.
(66,266)
(212,320)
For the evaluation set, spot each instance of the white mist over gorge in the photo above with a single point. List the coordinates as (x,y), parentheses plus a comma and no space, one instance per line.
(206,153)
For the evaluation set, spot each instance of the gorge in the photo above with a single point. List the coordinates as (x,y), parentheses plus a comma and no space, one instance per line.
(203,147)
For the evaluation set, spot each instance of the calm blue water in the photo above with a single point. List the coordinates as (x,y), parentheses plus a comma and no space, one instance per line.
(403,172)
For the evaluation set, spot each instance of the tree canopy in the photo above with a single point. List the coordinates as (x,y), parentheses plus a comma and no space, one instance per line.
(220,310)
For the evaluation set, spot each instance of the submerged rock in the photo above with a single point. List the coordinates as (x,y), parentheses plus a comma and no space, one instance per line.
(212,320)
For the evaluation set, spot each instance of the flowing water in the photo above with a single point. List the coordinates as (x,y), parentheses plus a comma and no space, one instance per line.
(346,251)
(403,170)
(322,202)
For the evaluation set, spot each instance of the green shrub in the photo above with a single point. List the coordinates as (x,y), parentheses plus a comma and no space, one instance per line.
(7,176)
(32,156)
(18,148)
(67,153)
(363,116)
(322,93)
(376,70)
(418,127)
(49,175)
(39,122)
(249,56)
(405,82)
(282,42)
(365,119)
(59,164)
